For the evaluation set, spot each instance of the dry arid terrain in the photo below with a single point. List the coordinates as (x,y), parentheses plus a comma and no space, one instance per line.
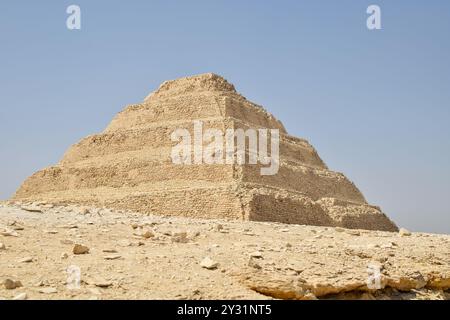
(116,218)
(126,255)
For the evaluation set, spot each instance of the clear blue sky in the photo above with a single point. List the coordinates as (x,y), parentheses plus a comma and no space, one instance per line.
(375,104)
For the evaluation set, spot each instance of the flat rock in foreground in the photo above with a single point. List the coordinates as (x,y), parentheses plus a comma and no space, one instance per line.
(255,260)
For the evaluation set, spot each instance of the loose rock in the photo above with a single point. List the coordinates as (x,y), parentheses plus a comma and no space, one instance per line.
(404,233)
(31,208)
(110,250)
(112,257)
(9,233)
(103,283)
(353,232)
(180,237)
(84,211)
(256,254)
(26,260)
(147,234)
(48,290)
(253,264)
(12,284)
(21,296)
(95,291)
(80,249)
(209,264)
(124,243)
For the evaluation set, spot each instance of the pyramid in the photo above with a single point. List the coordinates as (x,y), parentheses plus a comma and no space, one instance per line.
(129,167)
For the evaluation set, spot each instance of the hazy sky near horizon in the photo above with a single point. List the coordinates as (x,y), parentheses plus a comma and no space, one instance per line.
(375,104)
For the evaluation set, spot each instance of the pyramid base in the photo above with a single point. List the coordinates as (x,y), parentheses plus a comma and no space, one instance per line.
(227,201)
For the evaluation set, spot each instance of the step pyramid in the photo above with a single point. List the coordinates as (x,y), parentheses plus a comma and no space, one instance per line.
(129,166)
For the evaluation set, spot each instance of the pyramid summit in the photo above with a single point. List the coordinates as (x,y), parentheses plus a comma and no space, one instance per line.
(203,82)
(129,166)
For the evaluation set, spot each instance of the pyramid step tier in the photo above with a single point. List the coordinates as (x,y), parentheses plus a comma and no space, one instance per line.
(227,201)
(159,136)
(314,183)
(190,108)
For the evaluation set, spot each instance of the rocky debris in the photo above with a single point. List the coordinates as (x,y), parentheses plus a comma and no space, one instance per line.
(48,290)
(103,283)
(95,291)
(209,264)
(70,226)
(80,249)
(404,233)
(256,254)
(51,231)
(112,257)
(84,211)
(109,250)
(8,232)
(135,225)
(147,234)
(312,285)
(21,296)
(295,264)
(32,208)
(2,246)
(40,283)
(141,233)
(389,245)
(124,243)
(180,237)
(26,260)
(16,226)
(253,264)
(11,284)
(353,232)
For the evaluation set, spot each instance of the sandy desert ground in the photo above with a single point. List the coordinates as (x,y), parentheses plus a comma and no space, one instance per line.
(125,255)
